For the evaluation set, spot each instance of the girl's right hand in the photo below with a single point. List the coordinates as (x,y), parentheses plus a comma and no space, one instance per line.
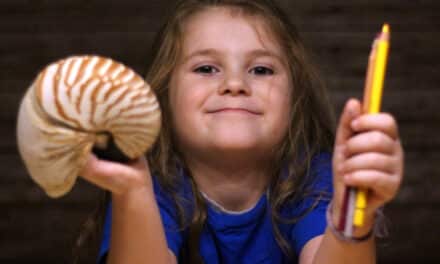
(116,177)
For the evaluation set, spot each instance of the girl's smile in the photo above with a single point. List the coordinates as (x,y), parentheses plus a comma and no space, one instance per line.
(242,107)
(234,110)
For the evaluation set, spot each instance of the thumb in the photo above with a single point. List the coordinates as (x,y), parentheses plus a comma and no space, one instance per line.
(344,131)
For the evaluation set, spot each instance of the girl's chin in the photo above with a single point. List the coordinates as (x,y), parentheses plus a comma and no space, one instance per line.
(240,139)
(237,144)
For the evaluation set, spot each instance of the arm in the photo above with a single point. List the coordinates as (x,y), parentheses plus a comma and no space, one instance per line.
(367,154)
(329,249)
(137,234)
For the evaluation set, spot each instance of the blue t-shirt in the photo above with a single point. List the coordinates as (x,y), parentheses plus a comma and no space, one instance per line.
(246,237)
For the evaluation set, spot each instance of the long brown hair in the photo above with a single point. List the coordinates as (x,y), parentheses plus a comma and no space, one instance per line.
(311,125)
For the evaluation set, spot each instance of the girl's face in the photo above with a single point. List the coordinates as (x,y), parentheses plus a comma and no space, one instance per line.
(230,90)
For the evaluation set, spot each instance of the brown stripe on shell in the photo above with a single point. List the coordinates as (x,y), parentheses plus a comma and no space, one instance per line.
(133,105)
(143,94)
(132,128)
(118,99)
(111,91)
(58,105)
(121,112)
(113,67)
(39,85)
(123,70)
(54,153)
(140,95)
(101,62)
(66,78)
(82,90)
(93,103)
(69,87)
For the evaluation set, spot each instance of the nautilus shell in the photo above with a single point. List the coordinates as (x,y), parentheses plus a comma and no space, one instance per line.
(75,105)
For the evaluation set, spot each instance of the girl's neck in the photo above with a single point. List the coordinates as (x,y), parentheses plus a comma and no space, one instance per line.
(236,186)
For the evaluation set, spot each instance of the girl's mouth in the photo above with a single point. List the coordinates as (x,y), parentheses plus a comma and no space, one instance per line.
(238,110)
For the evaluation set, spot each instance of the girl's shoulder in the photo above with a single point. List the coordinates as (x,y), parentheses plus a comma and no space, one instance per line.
(321,173)
(170,198)
(316,186)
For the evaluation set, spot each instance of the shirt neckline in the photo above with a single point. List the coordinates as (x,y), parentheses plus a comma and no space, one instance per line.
(218,207)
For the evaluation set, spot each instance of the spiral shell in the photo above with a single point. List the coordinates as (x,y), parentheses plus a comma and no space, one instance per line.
(67,109)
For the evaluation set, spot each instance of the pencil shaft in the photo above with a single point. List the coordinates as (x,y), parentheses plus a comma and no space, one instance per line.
(371,104)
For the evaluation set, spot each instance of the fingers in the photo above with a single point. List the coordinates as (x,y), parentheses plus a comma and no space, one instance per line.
(374,164)
(370,161)
(116,177)
(97,173)
(367,154)
(344,131)
(382,122)
(372,141)
(383,185)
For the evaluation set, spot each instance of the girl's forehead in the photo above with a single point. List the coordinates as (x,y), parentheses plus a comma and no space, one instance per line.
(217,26)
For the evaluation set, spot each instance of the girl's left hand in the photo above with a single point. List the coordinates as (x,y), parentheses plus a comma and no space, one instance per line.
(367,154)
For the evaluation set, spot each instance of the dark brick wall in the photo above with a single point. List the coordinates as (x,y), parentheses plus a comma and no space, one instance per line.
(33,33)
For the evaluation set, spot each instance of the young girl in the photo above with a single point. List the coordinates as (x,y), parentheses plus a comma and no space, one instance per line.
(246,163)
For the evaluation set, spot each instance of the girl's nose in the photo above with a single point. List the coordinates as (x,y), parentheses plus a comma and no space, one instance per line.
(234,85)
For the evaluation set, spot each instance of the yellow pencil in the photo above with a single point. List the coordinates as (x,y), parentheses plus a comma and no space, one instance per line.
(371,102)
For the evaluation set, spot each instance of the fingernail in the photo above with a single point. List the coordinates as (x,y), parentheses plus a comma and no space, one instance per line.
(350,111)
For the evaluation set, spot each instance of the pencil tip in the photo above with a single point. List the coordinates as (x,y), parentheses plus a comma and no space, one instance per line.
(385,28)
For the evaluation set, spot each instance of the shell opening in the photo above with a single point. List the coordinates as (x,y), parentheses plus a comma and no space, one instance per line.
(105,148)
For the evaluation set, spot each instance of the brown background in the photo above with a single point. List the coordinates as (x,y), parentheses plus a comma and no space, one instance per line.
(33,33)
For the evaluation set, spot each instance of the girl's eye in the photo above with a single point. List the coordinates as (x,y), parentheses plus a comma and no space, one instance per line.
(206,69)
(261,70)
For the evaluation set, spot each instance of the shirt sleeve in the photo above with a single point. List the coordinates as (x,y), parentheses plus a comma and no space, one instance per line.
(105,241)
(313,223)
(169,220)
(168,213)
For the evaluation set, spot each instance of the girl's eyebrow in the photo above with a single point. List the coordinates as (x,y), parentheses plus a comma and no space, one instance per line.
(265,53)
(214,52)
(202,52)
